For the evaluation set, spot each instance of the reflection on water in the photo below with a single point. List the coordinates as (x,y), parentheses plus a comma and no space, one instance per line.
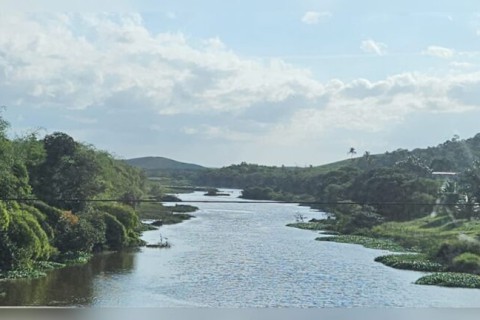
(72,286)
(237,255)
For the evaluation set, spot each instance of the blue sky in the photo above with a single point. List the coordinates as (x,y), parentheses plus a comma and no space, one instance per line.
(220,82)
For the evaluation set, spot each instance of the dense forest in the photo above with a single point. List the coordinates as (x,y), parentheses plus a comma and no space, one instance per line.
(43,217)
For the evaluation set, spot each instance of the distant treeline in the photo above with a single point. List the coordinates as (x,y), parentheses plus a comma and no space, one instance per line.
(398,185)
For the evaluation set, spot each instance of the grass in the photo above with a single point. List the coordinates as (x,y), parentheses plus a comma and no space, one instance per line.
(450,279)
(367,242)
(426,234)
(415,262)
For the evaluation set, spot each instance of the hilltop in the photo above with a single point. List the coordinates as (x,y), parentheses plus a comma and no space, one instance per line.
(154,164)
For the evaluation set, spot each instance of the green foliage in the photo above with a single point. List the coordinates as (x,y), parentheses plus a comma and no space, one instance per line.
(372,243)
(448,279)
(167,214)
(416,262)
(4,217)
(52,214)
(449,250)
(467,262)
(257,193)
(353,217)
(126,215)
(70,171)
(61,172)
(26,241)
(78,233)
(116,235)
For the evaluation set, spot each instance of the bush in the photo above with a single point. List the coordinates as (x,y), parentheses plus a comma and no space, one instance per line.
(126,215)
(451,249)
(466,262)
(26,241)
(116,235)
(78,234)
(52,214)
(41,218)
(357,217)
(258,193)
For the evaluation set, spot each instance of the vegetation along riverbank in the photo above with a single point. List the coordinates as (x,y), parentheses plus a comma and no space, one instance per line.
(425,200)
(52,212)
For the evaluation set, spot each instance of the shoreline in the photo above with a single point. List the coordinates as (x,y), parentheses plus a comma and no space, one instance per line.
(41,268)
(404,259)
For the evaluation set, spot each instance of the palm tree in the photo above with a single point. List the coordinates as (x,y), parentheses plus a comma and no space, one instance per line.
(352,152)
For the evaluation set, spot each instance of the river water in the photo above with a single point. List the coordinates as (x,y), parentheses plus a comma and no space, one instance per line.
(236,255)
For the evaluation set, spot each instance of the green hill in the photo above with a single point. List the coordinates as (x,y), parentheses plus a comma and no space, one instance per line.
(153,164)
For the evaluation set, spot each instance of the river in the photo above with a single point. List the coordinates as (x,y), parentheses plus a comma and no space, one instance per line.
(236,255)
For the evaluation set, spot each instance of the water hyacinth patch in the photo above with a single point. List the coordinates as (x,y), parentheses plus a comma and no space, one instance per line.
(372,243)
(416,262)
(450,279)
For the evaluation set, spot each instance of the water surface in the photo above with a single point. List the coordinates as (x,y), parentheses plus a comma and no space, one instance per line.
(237,255)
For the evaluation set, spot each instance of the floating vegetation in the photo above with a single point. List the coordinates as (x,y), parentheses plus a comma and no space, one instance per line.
(367,242)
(416,262)
(450,279)
(37,270)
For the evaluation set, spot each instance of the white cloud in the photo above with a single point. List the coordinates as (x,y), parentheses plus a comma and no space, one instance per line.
(111,62)
(461,65)
(82,61)
(440,52)
(371,46)
(372,107)
(315,17)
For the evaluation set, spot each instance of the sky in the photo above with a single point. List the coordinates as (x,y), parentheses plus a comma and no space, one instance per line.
(215,82)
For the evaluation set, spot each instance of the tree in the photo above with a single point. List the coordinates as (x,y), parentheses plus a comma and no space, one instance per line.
(69,174)
(352,152)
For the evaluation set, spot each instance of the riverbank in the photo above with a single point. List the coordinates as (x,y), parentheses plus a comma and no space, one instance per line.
(422,240)
(156,211)
(40,268)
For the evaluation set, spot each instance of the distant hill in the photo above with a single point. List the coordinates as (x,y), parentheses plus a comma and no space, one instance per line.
(152,164)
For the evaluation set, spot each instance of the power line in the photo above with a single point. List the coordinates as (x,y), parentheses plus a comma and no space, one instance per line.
(328,203)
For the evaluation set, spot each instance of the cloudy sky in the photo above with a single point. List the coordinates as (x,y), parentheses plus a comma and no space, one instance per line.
(267,81)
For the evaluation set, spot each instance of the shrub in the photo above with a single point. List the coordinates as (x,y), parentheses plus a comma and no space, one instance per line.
(116,235)
(359,217)
(467,262)
(126,215)
(52,214)
(27,240)
(79,233)
(450,249)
